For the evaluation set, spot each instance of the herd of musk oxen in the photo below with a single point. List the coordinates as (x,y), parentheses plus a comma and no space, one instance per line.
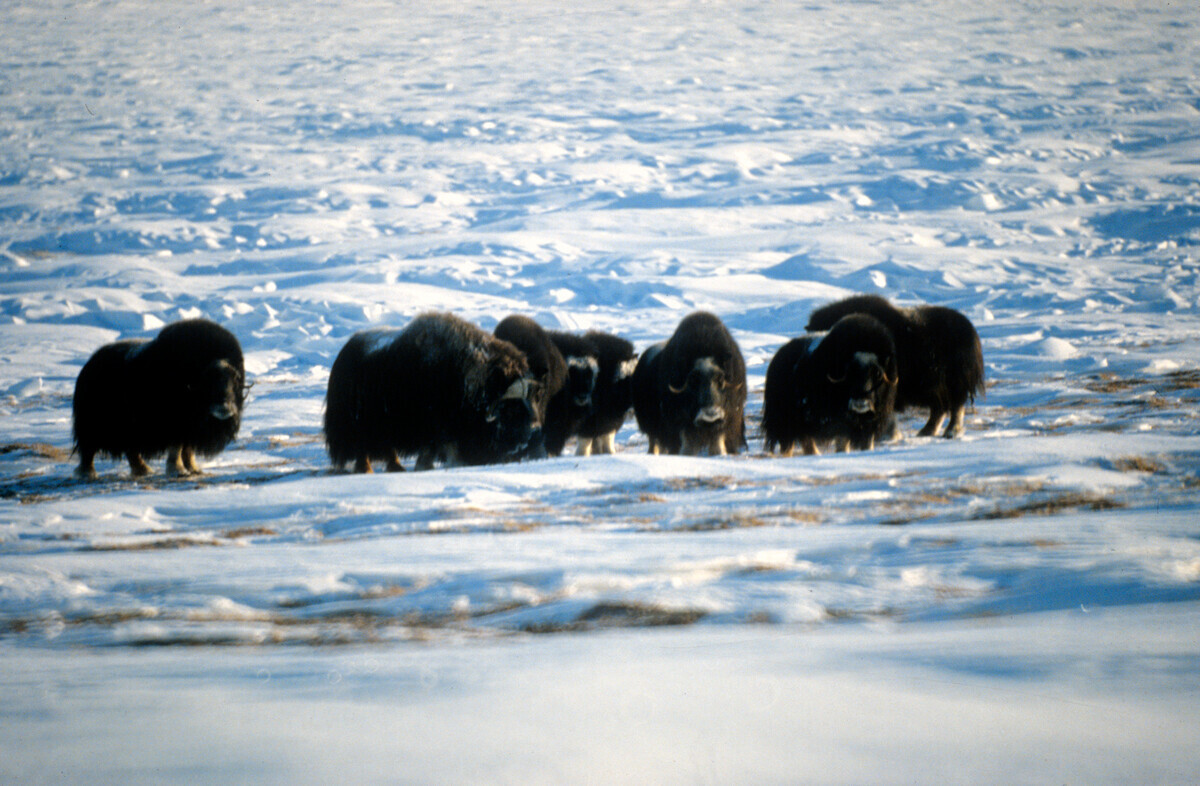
(443,390)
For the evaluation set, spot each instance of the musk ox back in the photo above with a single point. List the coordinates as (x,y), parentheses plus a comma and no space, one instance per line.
(938,351)
(837,387)
(180,393)
(440,389)
(612,396)
(546,366)
(690,392)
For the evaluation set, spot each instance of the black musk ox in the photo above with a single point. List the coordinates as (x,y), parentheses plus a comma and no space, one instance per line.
(612,397)
(440,389)
(837,387)
(939,357)
(180,393)
(573,404)
(546,366)
(689,393)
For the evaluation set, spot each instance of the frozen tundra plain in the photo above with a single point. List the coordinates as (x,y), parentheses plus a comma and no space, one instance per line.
(1019,605)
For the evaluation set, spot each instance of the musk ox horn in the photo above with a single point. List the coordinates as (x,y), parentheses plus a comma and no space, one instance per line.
(836,380)
(676,390)
(518,389)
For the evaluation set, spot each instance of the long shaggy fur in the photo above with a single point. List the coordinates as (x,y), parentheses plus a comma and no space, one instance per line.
(612,397)
(837,387)
(939,354)
(572,405)
(690,393)
(441,388)
(180,394)
(546,365)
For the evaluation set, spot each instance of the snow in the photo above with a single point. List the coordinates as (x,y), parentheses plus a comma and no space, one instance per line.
(1018,605)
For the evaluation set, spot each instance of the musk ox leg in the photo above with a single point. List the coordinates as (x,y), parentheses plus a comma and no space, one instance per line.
(425,459)
(393,463)
(362,464)
(893,430)
(137,465)
(717,446)
(654,449)
(787,449)
(809,445)
(175,466)
(189,461)
(955,427)
(583,447)
(841,445)
(688,447)
(87,465)
(934,423)
(605,443)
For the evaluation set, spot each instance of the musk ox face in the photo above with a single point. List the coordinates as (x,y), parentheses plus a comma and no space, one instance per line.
(581,380)
(702,394)
(512,420)
(865,384)
(218,391)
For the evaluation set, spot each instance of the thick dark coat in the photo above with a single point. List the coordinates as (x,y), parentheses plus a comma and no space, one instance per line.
(440,389)
(689,394)
(180,393)
(837,387)
(939,355)
(573,404)
(546,366)
(612,397)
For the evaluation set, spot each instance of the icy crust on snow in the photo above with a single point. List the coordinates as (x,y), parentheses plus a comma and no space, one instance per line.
(302,177)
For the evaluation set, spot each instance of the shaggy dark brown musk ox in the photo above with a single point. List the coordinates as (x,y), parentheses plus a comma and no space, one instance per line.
(612,397)
(689,393)
(572,405)
(180,393)
(938,352)
(546,366)
(837,387)
(440,389)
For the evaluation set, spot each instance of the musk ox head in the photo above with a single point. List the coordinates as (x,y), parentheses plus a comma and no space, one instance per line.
(512,419)
(221,390)
(581,379)
(702,394)
(867,383)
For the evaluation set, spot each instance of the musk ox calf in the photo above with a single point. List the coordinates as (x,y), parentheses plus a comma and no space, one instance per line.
(440,389)
(180,393)
(546,366)
(689,393)
(572,405)
(938,352)
(612,397)
(837,387)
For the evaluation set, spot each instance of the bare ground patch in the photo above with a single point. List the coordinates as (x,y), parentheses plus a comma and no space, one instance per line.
(610,614)
(1059,503)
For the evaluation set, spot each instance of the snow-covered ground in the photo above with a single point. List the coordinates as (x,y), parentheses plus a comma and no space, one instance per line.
(1020,605)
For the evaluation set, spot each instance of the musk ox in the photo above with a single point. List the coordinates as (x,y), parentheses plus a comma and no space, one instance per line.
(546,366)
(689,393)
(938,353)
(837,387)
(180,393)
(612,397)
(573,404)
(440,389)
